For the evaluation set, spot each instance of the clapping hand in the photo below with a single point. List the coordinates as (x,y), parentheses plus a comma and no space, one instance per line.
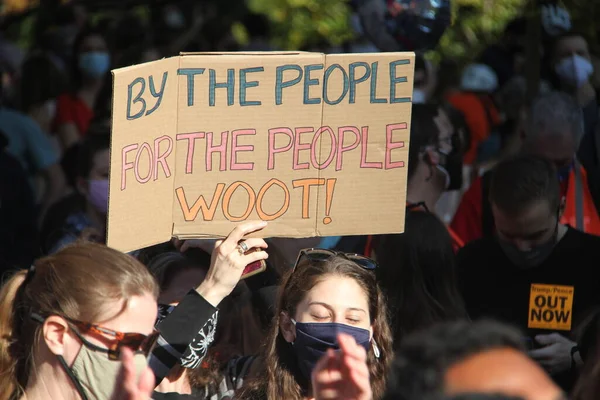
(343,375)
(128,386)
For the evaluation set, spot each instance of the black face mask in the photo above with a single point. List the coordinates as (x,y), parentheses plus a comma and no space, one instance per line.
(452,168)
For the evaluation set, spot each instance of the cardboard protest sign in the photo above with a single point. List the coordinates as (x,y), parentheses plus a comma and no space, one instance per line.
(551,307)
(315,144)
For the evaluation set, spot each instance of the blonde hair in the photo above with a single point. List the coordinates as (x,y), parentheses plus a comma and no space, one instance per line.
(81,282)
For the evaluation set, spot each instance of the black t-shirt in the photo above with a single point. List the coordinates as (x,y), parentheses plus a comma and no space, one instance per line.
(552,297)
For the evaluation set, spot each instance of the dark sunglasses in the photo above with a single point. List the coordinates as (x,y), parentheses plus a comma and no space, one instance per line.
(318,255)
(137,342)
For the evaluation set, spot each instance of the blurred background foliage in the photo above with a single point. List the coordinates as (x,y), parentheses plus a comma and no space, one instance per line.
(302,24)
(322,24)
(475,24)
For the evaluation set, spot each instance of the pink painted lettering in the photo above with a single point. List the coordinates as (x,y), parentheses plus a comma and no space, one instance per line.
(126,165)
(162,158)
(191,138)
(314,157)
(136,171)
(341,149)
(298,147)
(235,148)
(220,149)
(391,145)
(363,154)
(274,150)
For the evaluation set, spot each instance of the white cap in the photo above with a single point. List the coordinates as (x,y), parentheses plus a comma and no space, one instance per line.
(479,78)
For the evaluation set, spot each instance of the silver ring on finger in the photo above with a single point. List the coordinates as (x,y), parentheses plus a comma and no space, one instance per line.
(242,247)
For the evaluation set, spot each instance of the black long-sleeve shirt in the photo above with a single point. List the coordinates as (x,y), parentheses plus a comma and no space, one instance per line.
(189,328)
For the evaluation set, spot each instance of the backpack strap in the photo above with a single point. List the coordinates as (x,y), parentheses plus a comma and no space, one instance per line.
(487,218)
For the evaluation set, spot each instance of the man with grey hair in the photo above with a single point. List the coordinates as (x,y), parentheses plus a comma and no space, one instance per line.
(571,61)
(554,132)
(556,114)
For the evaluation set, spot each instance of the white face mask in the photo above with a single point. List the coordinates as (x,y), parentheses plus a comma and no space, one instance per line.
(419,97)
(574,70)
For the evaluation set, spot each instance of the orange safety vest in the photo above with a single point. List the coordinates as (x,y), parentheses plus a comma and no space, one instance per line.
(580,211)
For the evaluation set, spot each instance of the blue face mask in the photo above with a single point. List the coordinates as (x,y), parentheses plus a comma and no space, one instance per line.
(94,64)
(313,340)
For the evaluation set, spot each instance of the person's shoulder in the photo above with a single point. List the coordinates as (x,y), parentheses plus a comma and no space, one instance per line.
(582,250)
(9,114)
(479,249)
(479,245)
(582,240)
(15,118)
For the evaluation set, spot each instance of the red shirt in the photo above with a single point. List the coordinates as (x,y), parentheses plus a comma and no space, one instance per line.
(71,109)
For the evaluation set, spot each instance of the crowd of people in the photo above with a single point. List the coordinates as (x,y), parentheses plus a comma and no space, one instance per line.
(491,292)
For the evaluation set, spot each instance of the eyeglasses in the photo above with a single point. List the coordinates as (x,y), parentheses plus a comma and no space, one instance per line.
(319,255)
(137,342)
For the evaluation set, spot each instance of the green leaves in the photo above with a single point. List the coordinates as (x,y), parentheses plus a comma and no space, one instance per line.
(476,24)
(299,24)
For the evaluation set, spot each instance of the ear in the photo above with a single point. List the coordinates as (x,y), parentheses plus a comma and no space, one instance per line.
(431,157)
(82,185)
(287,328)
(55,331)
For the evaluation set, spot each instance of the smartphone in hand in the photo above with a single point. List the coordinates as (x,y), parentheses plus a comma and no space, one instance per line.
(254,268)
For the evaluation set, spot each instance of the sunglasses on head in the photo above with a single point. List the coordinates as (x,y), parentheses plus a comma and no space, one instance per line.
(318,255)
(137,342)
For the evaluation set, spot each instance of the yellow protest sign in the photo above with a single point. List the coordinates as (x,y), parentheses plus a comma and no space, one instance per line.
(315,144)
(550,307)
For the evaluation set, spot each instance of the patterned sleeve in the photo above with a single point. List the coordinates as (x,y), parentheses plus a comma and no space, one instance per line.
(180,340)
